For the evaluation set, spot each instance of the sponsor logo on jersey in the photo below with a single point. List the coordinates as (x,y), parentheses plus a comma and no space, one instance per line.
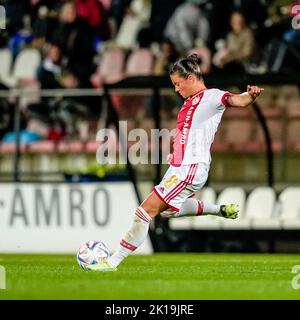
(187,124)
(196,100)
(162,189)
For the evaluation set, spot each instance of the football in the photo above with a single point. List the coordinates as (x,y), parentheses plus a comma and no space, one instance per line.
(91,252)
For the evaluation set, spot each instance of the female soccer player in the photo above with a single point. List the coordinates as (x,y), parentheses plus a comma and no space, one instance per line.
(197,123)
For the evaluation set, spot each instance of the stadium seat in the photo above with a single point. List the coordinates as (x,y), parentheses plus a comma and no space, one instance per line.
(24,68)
(293,110)
(208,195)
(272,113)
(139,63)
(293,135)
(10,147)
(239,133)
(239,113)
(276,130)
(234,195)
(110,68)
(183,223)
(261,209)
(289,208)
(145,188)
(220,143)
(45,146)
(134,20)
(75,146)
(5,64)
(92,146)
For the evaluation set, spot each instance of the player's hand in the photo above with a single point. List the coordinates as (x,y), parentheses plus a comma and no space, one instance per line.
(254,91)
(169,158)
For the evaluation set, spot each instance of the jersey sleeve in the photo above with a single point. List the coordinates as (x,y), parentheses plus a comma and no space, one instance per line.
(220,99)
(225,99)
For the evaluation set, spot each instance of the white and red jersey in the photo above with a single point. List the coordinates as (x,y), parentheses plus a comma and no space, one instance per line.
(197,123)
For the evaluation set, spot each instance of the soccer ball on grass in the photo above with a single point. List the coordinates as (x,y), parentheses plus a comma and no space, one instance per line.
(91,252)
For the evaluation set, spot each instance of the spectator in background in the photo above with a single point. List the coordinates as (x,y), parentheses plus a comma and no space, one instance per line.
(6,116)
(52,5)
(117,12)
(161,11)
(42,116)
(254,11)
(239,46)
(21,38)
(43,24)
(58,116)
(96,16)
(136,18)
(165,59)
(283,53)
(276,22)
(187,24)
(75,39)
(15,12)
(292,35)
(50,68)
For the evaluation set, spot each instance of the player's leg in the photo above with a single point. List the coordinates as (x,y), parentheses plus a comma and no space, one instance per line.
(137,233)
(194,207)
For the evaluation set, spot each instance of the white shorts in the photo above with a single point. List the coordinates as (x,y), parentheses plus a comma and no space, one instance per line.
(180,183)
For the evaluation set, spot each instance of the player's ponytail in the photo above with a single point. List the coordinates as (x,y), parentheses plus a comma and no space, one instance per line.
(186,66)
(194,58)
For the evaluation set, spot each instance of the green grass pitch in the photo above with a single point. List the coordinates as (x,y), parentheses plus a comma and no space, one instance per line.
(169,276)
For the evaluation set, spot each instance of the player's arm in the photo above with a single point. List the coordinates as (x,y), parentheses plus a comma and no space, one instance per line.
(244,99)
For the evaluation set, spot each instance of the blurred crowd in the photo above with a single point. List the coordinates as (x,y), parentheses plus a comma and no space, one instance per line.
(72,37)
